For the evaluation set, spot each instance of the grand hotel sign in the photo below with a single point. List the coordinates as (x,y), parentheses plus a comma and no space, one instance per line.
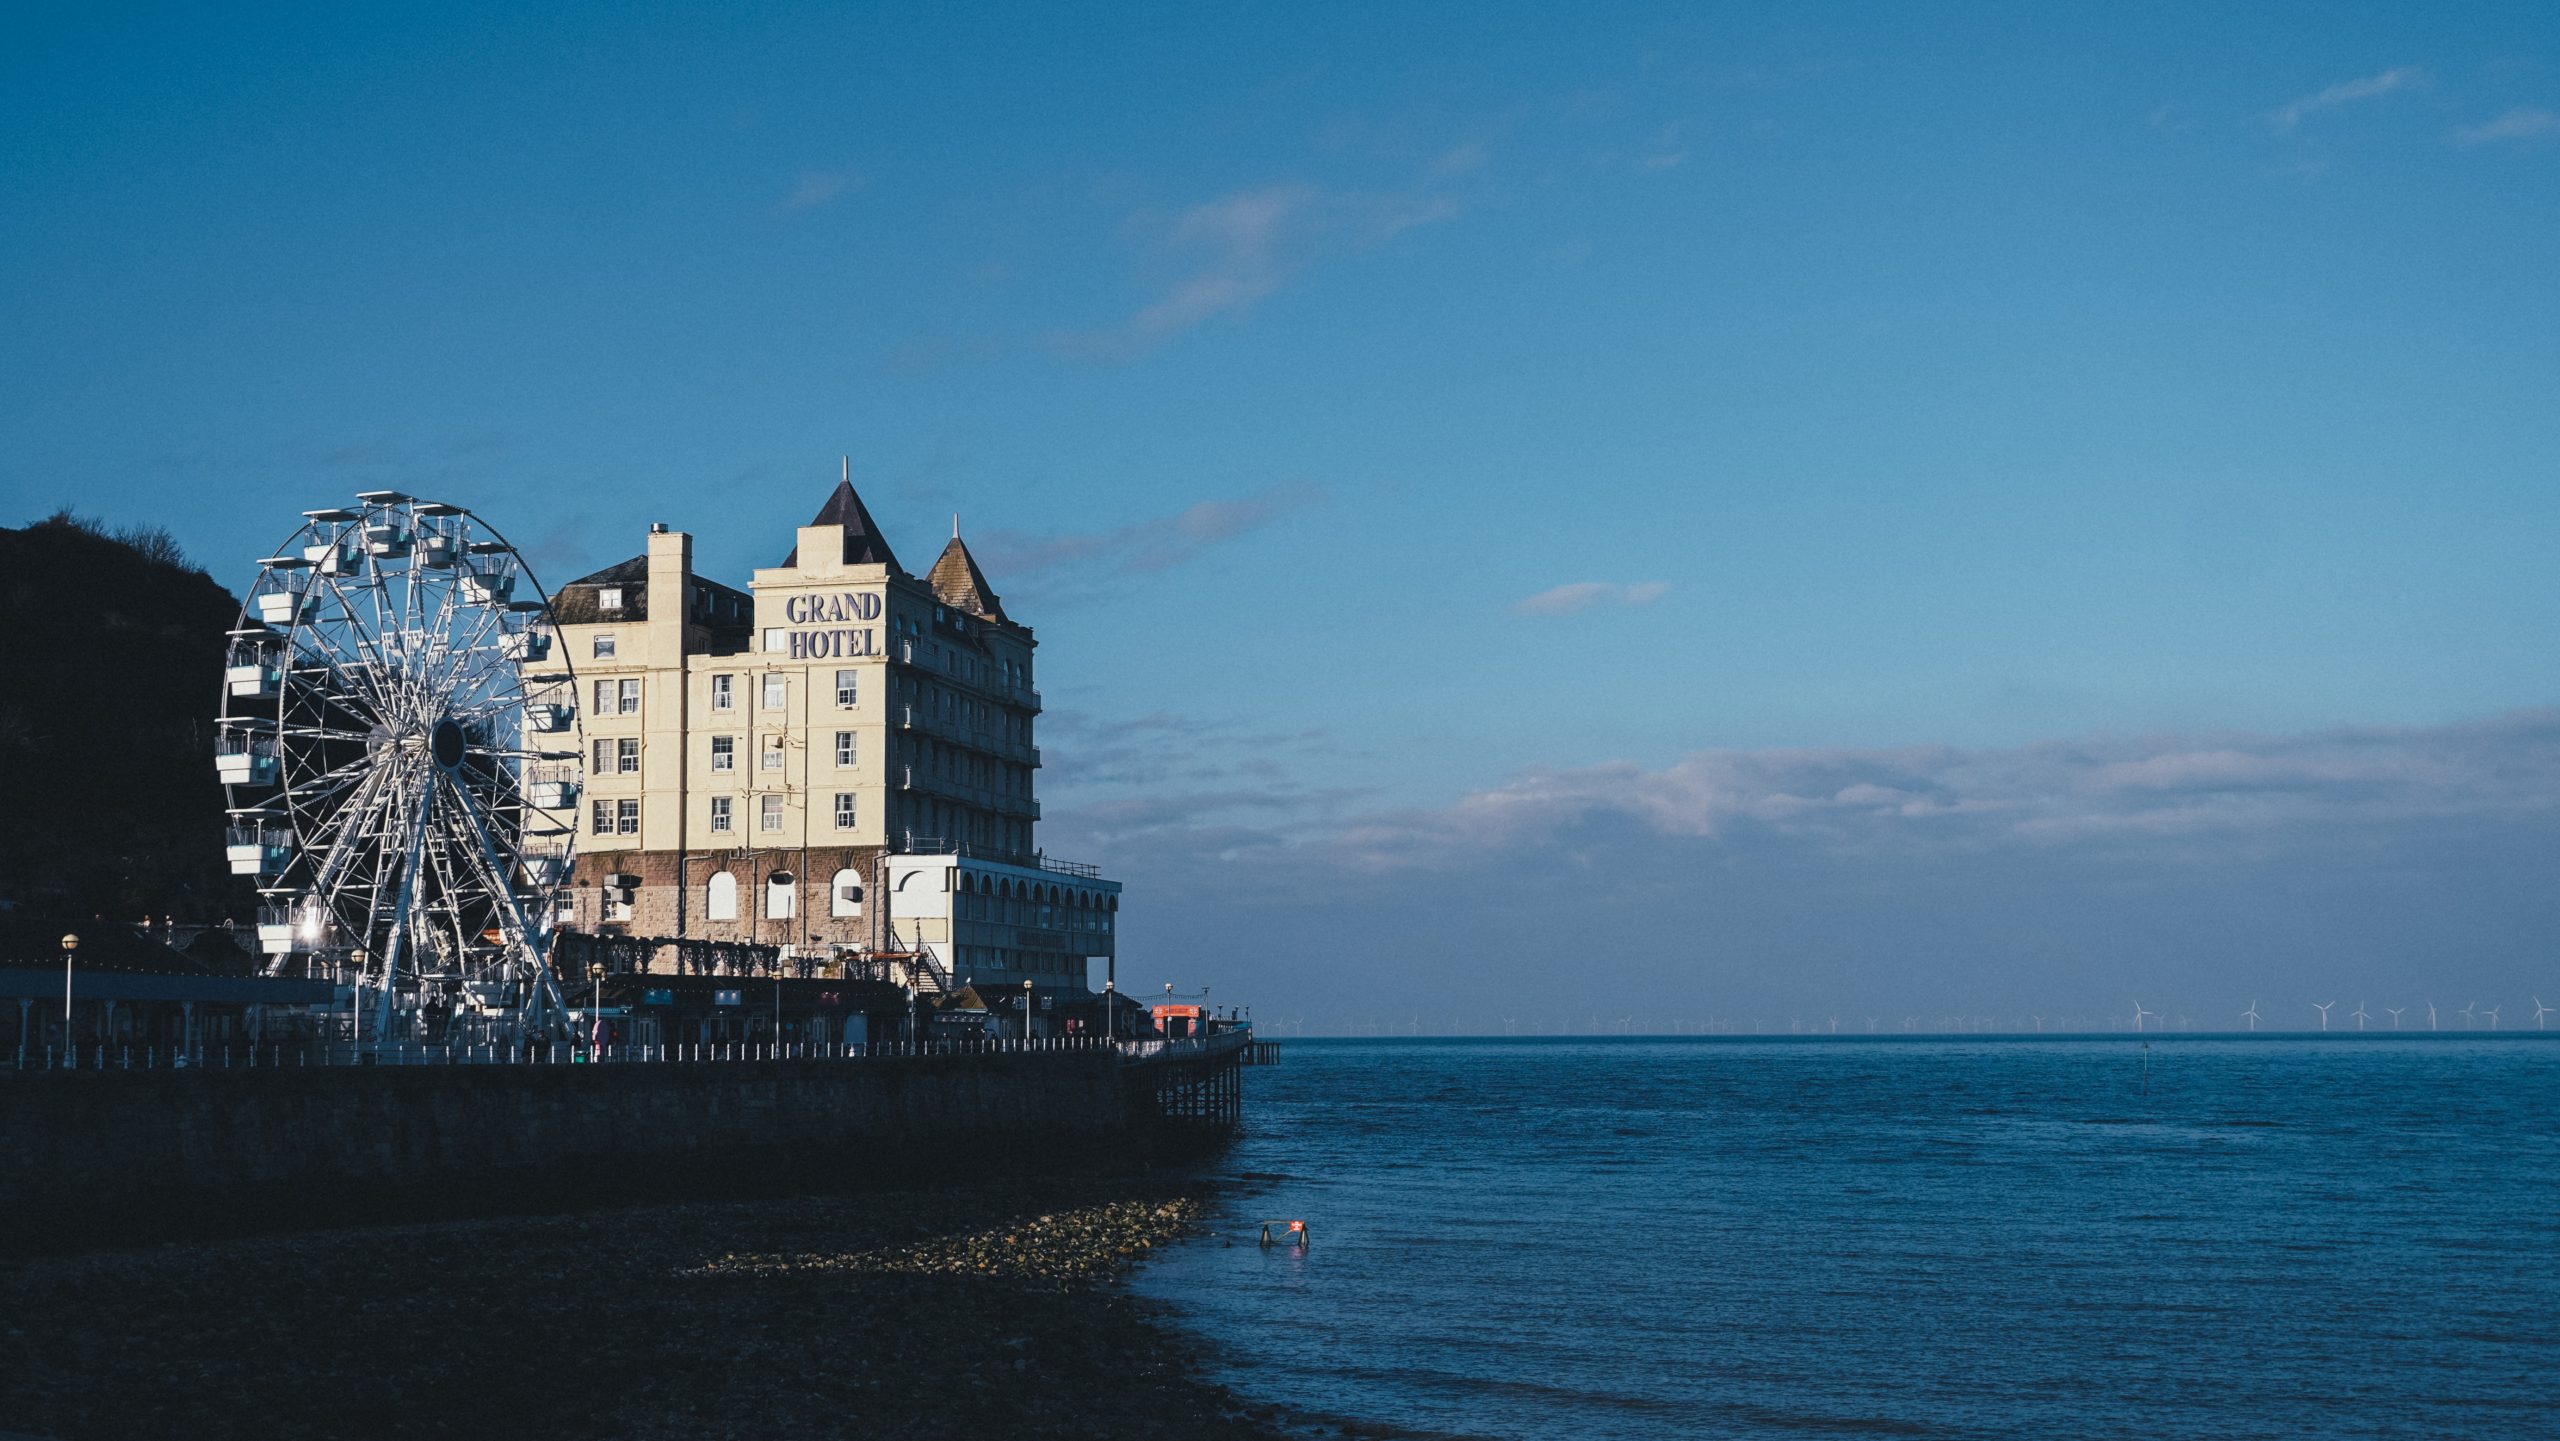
(828,625)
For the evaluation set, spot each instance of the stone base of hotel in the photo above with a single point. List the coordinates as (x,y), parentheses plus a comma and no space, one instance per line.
(672,896)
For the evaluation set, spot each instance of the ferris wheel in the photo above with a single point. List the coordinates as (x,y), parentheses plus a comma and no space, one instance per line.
(400,750)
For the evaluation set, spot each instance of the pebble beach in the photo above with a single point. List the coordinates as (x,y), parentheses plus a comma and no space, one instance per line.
(982,1311)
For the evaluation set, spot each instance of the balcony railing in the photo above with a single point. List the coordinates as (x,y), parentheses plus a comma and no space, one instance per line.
(1012,693)
(923,720)
(912,779)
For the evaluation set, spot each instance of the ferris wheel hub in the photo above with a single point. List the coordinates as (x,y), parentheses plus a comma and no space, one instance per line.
(448,741)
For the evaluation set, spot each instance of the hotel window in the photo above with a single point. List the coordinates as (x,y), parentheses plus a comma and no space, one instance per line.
(720,897)
(844,748)
(604,758)
(600,820)
(777,692)
(631,696)
(626,817)
(604,697)
(847,687)
(772,760)
(724,753)
(769,812)
(844,811)
(627,755)
(774,643)
(609,598)
(720,813)
(777,897)
(724,695)
(604,647)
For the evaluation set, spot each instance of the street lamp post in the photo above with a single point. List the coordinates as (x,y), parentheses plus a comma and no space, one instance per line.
(1026,1011)
(70,943)
(355,1000)
(1110,1015)
(595,1012)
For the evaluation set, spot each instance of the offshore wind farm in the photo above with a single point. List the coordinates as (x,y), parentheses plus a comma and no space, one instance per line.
(2312,1019)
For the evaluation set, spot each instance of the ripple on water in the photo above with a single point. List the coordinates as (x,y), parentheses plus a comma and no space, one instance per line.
(1655,1240)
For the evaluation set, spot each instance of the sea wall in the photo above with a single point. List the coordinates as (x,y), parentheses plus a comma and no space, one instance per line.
(113,1157)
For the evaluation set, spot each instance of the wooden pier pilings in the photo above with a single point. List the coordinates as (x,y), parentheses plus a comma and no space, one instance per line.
(1187,1086)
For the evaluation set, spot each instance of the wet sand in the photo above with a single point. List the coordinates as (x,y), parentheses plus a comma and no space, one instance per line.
(985,1311)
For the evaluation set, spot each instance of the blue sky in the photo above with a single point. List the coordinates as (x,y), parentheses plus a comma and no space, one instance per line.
(1384,417)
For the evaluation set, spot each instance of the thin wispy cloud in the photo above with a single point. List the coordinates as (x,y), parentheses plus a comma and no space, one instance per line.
(1141,548)
(2347,92)
(1582,595)
(1239,243)
(1224,256)
(1667,152)
(2522,124)
(817,187)
(2165,791)
(1461,160)
(2064,862)
(2175,797)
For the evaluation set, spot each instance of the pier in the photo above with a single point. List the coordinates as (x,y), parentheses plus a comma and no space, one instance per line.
(1194,1087)
(118,1146)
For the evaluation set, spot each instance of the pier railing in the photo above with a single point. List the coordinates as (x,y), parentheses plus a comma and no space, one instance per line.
(283,1056)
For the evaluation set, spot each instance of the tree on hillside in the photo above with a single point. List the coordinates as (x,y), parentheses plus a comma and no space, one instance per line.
(111,652)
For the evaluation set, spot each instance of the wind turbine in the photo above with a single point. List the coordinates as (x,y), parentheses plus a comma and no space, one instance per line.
(2139,1013)
(2251,1015)
(2492,1014)
(2360,1017)
(2323,1008)
(2039,1025)
(2395,1015)
(2539,1011)
(2431,1015)
(2466,1015)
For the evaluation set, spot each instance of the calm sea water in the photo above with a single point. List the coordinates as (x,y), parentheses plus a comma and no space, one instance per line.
(2283,1237)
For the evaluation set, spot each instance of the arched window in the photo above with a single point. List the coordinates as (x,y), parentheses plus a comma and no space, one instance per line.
(720,897)
(779,889)
(844,893)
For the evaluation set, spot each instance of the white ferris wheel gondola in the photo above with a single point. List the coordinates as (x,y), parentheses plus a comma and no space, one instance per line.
(400,748)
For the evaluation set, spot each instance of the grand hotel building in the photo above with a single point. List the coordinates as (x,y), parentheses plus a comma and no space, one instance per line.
(839,758)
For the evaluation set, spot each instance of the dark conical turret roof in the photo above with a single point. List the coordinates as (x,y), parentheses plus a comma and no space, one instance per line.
(958,583)
(863,542)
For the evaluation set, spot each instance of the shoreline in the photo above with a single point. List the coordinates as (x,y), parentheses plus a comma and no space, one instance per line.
(990,1309)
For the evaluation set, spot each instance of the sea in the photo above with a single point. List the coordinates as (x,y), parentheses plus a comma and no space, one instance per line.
(2103,1236)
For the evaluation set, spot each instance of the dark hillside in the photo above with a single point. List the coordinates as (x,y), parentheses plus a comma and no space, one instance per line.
(111,652)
